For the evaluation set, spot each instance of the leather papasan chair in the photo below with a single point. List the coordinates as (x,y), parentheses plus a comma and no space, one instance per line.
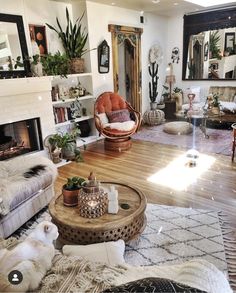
(116,120)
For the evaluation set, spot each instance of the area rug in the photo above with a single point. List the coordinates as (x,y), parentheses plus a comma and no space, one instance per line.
(173,235)
(219,141)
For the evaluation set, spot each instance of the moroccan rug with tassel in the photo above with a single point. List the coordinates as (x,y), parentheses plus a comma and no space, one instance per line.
(174,235)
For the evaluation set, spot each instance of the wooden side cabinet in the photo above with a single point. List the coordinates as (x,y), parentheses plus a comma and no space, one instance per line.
(170,109)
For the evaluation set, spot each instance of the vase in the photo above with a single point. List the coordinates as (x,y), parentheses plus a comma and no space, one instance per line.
(68,151)
(70,197)
(153,105)
(37,69)
(77,65)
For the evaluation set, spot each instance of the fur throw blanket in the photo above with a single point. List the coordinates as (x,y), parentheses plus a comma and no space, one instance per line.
(24,175)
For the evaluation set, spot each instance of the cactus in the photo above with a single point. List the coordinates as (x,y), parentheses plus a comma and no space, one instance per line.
(153,70)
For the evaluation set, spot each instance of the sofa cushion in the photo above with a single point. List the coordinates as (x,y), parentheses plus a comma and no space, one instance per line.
(15,188)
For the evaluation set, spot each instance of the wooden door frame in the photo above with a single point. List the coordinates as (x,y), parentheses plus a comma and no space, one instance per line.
(119,34)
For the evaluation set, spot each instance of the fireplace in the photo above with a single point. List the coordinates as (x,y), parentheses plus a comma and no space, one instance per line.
(20,137)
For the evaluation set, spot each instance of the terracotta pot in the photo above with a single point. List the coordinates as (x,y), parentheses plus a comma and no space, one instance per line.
(70,197)
(77,65)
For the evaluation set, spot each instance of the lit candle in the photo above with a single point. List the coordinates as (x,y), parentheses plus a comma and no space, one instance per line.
(92,203)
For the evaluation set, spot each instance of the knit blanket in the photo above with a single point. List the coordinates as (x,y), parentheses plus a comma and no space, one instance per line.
(73,274)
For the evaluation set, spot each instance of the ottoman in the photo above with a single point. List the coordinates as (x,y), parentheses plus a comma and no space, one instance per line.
(178,127)
(154,117)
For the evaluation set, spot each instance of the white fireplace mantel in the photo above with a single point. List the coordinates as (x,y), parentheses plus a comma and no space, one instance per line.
(27,98)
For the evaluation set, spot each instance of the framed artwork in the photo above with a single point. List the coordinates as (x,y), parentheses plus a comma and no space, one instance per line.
(38,39)
(229,43)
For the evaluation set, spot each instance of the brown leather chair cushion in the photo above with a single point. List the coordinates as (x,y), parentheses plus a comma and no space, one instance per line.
(109,102)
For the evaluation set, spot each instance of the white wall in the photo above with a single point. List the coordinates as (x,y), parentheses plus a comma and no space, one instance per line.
(39,12)
(154,30)
(175,39)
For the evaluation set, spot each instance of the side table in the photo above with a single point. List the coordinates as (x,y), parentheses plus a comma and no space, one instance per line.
(170,109)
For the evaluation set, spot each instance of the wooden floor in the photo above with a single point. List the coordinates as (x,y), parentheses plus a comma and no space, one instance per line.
(214,189)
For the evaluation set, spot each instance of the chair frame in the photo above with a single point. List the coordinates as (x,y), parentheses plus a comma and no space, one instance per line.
(109,134)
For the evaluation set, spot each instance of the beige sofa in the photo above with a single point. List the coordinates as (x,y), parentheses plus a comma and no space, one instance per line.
(25,189)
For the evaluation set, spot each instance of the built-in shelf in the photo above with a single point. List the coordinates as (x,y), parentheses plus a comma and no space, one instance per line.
(60,102)
(74,120)
(56,77)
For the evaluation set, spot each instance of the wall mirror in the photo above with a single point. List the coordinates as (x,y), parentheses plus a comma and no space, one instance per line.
(209,48)
(12,45)
(103,57)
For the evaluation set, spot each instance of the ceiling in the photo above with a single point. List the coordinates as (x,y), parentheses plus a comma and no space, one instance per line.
(163,7)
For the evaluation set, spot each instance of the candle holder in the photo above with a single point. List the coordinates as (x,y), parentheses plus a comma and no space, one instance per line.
(191,98)
(93,201)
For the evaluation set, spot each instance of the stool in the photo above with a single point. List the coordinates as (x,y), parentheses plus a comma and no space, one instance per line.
(234,140)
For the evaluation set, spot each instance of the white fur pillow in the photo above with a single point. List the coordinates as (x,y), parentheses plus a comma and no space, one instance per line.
(111,253)
(104,119)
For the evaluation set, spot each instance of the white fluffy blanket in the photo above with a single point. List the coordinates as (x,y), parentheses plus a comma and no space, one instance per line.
(122,126)
(12,180)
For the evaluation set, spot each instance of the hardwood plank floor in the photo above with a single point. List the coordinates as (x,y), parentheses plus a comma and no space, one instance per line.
(214,189)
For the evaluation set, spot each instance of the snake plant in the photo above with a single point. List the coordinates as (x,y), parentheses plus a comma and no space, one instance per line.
(73,38)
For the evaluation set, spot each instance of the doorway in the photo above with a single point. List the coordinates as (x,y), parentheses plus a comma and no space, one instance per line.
(126,52)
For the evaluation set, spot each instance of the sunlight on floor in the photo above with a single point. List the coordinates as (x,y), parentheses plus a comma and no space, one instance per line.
(178,175)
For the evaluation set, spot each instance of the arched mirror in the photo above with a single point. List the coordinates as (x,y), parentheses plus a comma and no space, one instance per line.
(209,48)
(12,45)
(103,57)
(126,53)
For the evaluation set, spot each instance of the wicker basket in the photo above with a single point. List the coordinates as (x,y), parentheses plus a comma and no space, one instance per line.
(77,65)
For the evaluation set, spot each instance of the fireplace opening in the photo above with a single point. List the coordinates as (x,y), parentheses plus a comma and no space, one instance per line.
(20,137)
(229,74)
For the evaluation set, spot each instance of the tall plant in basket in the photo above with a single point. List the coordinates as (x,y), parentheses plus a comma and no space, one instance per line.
(74,39)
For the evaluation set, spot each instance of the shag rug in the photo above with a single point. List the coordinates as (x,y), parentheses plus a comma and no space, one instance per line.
(174,235)
(219,141)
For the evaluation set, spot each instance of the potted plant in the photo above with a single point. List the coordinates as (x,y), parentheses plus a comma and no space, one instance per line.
(70,190)
(215,104)
(35,64)
(214,48)
(178,97)
(67,143)
(153,70)
(73,39)
(165,93)
(57,64)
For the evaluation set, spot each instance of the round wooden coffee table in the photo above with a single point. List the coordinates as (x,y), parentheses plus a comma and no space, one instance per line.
(127,224)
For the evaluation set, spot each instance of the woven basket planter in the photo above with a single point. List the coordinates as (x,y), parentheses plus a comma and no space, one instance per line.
(154,117)
(77,65)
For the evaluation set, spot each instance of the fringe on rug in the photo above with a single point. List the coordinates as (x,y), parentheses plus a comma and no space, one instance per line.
(229,238)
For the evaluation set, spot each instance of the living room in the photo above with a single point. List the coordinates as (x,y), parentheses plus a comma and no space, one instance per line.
(175,186)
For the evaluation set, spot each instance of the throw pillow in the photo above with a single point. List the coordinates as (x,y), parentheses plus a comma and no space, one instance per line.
(111,253)
(155,285)
(103,118)
(119,116)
